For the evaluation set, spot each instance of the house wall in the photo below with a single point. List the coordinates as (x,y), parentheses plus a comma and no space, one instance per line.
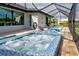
(39,18)
(12,27)
(42,20)
(34,18)
(26,20)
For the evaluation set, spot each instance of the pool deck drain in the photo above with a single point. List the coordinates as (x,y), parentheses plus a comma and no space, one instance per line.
(68,47)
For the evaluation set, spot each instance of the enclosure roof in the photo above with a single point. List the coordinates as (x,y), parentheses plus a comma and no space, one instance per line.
(52,9)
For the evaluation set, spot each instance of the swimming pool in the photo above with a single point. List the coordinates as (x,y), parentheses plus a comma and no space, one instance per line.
(44,43)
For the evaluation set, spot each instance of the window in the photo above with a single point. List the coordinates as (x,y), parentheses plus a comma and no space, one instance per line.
(10,17)
(47,21)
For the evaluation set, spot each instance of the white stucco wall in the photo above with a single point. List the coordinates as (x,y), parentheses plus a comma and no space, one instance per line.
(42,20)
(39,18)
(34,18)
(26,20)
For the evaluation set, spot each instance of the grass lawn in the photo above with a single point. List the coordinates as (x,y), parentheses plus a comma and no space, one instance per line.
(77,27)
(64,24)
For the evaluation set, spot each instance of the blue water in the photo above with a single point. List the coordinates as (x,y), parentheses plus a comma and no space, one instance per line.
(44,43)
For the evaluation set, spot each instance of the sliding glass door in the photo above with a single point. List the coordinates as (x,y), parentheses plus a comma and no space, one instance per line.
(10,17)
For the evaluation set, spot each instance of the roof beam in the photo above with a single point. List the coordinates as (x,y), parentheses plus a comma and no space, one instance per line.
(55,13)
(52,11)
(63,11)
(58,11)
(25,6)
(62,6)
(46,6)
(8,3)
(35,6)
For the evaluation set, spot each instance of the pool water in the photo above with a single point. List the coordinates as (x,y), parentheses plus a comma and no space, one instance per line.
(44,43)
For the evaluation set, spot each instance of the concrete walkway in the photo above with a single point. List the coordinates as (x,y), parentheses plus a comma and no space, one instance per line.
(68,46)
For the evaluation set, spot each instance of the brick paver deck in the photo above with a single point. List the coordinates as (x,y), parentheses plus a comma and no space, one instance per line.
(68,46)
(15,32)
